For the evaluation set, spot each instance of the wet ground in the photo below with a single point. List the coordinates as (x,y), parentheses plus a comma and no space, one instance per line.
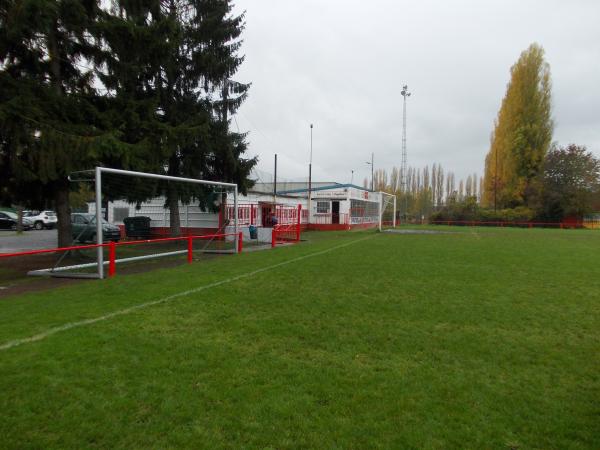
(11,242)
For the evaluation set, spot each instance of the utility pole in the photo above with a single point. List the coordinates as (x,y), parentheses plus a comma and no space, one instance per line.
(275,182)
(310,174)
(372,171)
(403,167)
(372,164)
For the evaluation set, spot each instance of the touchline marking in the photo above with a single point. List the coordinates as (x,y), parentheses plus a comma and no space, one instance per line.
(122,312)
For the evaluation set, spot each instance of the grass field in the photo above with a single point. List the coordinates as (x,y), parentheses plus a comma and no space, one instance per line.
(478,338)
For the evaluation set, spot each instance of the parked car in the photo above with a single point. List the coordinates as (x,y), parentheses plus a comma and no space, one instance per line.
(41,220)
(9,221)
(84,228)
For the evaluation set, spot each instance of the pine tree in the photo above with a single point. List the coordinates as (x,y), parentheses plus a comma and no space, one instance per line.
(48,118)
(522,133)
(169,64)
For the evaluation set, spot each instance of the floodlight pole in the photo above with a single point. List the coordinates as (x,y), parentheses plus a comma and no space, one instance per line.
(394,216)
(372,171)
(275,182)
(372,164)
(99,237)
(403,167)
(310,174)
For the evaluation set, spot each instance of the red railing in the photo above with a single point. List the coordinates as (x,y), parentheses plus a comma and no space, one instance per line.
(519,224)
(247,213)
(112,247)
(287,232)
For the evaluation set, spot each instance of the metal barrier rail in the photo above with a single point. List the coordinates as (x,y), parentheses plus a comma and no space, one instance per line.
(285,233)
(499,223)
(112,248)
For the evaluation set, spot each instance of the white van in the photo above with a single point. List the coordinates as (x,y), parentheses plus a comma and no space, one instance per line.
(41,220)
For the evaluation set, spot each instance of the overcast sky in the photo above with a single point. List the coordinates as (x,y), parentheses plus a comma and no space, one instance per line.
(341,65)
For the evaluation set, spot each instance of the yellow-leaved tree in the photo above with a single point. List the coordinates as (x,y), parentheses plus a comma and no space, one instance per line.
(522,134)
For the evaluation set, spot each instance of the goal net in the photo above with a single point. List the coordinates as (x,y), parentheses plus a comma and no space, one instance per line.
(143,219)
(387,217)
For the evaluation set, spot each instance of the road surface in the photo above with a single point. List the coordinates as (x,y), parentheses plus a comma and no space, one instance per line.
(11,242)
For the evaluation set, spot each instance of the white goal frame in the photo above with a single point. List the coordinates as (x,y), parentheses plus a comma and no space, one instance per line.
(98,179)
(383,202)
(100,263)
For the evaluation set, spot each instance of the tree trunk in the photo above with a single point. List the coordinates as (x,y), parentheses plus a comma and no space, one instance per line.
(61,186)
(63,213)
(173,203)
(19,219)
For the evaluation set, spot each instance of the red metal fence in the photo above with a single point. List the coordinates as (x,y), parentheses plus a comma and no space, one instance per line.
(518,224)
(247,213)
(288,231)
(112,247)
(252,214)
(282,234)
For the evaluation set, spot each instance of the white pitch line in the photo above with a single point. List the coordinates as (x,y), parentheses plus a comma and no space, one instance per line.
(122,312)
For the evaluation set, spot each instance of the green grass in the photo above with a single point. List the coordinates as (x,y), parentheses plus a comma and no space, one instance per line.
(481,338)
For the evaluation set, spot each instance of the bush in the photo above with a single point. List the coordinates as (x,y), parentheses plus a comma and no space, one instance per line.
(469,210)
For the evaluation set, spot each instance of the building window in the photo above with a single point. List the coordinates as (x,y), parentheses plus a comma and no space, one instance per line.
(322,207)
(119,214)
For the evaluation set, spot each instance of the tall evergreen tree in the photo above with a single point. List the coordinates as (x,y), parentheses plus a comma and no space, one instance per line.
(184,52)
(48,122)
(522,133)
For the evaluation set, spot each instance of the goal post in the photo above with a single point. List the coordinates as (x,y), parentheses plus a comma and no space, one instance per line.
(387,210)
(122,216)
(100,171)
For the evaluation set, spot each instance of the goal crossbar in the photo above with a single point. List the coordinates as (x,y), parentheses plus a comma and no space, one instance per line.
(98,178)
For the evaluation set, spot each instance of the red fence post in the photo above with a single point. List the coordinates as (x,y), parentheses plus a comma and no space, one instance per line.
(298,228)
(240,242)
(273,237)
(190,249)
(111,259)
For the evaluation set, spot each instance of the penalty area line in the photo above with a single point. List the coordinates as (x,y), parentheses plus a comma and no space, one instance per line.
(169,298)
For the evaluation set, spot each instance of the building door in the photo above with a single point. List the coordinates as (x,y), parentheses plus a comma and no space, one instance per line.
(335,212)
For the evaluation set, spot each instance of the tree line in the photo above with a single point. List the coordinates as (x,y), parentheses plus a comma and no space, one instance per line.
(427,189)
(524,169)
(526,177)
(136,85)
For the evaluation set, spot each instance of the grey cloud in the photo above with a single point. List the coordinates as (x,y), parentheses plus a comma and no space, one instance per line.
(340,65)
